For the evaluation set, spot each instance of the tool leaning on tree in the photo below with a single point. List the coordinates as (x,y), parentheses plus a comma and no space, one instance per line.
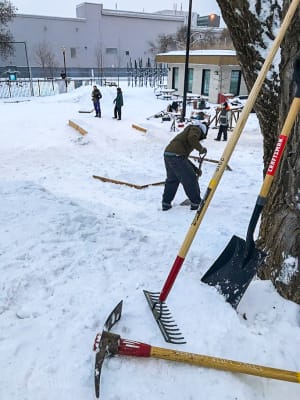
(156,300)
(234,269)
(108,344)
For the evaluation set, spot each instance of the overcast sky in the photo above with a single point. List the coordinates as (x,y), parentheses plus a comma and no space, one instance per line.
(67,8)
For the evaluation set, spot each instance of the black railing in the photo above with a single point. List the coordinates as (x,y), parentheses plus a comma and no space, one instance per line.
(25,87)
(35,87)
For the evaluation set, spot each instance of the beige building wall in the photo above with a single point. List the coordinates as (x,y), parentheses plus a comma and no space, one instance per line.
(220,63)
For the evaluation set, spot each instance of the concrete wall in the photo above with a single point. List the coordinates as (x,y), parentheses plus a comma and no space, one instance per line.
(94,28)
(55,32)
(134,41)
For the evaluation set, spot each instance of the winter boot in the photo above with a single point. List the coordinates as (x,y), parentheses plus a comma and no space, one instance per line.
(166,206)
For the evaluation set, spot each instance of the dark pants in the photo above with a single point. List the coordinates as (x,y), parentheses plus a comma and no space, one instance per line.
(179,170)
(223,129)
(117,112)
(97,107)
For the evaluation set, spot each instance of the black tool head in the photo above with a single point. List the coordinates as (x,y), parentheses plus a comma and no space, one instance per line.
(114,316)
(234,269)
(106,344)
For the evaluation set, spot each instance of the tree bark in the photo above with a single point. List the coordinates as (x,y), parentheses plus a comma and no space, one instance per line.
(251,30)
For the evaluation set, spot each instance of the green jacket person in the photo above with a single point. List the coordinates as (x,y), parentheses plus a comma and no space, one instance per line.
(179,169)
(118,104)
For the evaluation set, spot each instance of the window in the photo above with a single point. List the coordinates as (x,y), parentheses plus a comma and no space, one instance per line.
(235,82)
(175,77)
(73,52)
(12,76)
(190,80)
(111,50)
(205,82)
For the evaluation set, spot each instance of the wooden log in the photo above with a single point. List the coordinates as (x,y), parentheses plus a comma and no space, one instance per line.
(139,128)
(77,127)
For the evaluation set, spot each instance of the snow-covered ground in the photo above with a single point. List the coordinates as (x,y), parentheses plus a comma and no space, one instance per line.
(72,247)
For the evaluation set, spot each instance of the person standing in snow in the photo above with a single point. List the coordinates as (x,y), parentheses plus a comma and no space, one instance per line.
(223,120)
(118,101)
(179,169)
(96,96)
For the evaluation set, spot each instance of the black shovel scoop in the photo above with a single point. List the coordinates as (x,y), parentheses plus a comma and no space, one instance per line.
(233,271)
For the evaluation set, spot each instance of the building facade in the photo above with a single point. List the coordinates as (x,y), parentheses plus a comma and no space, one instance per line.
(96,38)
(212,73)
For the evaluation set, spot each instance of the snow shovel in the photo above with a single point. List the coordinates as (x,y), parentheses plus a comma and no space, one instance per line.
(234,269)
(108,344)
(156,300)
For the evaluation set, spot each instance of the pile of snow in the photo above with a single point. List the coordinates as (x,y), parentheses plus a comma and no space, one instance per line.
(72,247)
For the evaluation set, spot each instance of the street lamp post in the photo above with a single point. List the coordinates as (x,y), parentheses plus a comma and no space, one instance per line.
(28,66)
(63,49)
(29,70)
(186,69)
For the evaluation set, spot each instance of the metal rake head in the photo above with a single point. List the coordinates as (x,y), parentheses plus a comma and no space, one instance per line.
(164,319)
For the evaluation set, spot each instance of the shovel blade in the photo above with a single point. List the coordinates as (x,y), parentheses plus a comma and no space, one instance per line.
(233,270)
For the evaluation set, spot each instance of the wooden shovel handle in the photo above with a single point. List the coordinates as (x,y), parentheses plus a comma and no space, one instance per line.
(237,130)
(213,184)
(280,146)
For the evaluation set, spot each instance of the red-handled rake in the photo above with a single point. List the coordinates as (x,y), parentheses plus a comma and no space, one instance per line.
(157,300)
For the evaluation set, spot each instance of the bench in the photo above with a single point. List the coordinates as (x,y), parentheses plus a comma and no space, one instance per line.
(109,83)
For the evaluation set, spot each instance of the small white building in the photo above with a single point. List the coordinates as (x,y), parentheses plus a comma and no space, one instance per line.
(212,73)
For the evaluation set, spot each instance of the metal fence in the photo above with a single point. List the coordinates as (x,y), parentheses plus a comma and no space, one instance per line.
(39,87)
(26,87)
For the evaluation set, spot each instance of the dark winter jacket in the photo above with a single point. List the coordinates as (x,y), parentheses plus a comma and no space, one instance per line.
(223,120)
(119,99)
(96,95)
(187,141)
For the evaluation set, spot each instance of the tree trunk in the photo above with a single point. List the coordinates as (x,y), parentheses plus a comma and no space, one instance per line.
(279,235)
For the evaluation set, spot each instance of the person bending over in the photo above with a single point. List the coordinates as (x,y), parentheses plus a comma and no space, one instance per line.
(179,168)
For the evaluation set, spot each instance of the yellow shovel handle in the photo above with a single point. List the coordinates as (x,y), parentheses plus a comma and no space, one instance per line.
(213,184)
(285,132)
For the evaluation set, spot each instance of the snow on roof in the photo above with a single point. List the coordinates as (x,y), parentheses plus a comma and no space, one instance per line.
(201,53)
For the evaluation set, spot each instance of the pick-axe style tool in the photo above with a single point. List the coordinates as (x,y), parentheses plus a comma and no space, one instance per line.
(156,300)
(108,344)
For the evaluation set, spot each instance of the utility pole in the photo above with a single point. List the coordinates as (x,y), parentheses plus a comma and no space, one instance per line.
(186,69)
(65,68)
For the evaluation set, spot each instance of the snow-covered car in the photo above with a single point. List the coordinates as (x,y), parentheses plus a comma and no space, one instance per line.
(240,101)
